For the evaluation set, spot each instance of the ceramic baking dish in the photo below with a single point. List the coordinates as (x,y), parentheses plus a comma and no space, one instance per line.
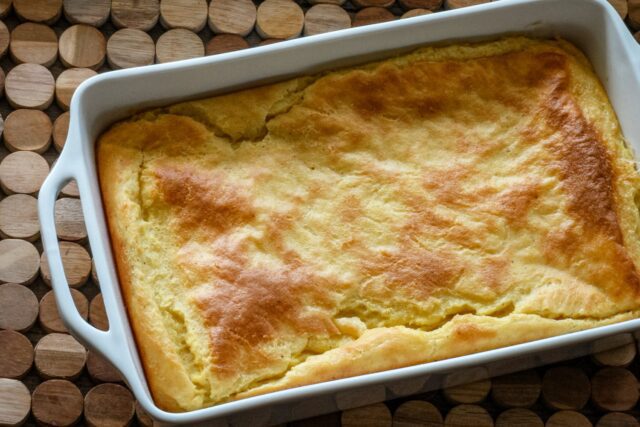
(593,25)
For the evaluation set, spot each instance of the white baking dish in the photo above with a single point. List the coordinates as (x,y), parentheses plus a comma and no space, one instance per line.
(592,24)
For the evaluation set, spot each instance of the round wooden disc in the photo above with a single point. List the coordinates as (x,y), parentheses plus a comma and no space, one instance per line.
(49,317)
(16,356)
(129,47)
(108,404)
(474,392)
(35,43)
(69,220)
(621,7)
(517,390)
(56,403)
(15,402)
(415,12)
(94,12)
(377,415)
(407,387)
(417,413)
(618,419)
(143,418)
(633,13)
(71,189)
(76,261)
(59,356)
(188,14)
(519,417)
(279,19)
(29,86)
(60,130)
(97,314)
(614,389)
(617,357)
(19,261)
(44,11)
(23,172)
(568,418)
(67,83)
(323,18)
(565,388)
(94,273)
(431,5)
(338,2)
(18,307)
(232,16)
(178,44)
(468,415)
(372,3)
(457,4)
(225,43)
(27,130)
(82,46)
(100,370)
(19,218)
(372,15)
(4,38)
(138,14)
(5,7)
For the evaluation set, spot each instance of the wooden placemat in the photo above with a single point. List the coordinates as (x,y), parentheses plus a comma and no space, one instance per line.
(48,47)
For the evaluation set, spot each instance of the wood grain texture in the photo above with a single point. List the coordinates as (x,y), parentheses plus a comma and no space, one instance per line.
(279,19)
(108,404)
(474,392)
(15,402)
(178,44)
(519,417)
(323,18)
(377,415)
(225,43)
(517,390)
(19,261)
(35,43)
(27,130)
(42,11)
(97,313)
(67,82)
(23,172)
(59,356)
(614,389)
(568,419)
(468,415)
(101,370)
(94,12)
(565,387)
(373,3)
(19,218)
(76,261)
(457,4)
(138,14)
(29,86)
(372,15)
(5,38)
(431,5)
(82,46)
(617,357)
(5,7)
(18,307)
(188,14)
(617,419)
(16,355)
(417,413)
(69,220)
(50,319)
(130,47)
(232,16)
(621,7)
(415,12)
(57,403)
(60,130)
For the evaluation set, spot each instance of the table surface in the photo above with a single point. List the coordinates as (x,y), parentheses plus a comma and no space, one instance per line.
(598,390)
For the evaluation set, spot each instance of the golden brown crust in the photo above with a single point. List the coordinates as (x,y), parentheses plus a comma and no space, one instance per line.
(445,202)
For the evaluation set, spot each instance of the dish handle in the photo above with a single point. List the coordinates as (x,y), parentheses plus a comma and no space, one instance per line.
(60,176)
